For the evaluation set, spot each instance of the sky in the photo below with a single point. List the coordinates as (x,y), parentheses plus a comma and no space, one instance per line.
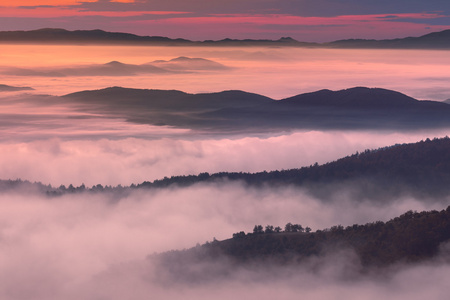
(305,20)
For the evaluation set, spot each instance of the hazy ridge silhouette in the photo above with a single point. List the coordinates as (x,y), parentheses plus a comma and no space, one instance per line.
(373,247)
(419,169)
(9,88)
(235,111)
(435,40)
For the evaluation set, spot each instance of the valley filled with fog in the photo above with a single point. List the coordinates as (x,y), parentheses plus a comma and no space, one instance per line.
(276,72)
(99,245)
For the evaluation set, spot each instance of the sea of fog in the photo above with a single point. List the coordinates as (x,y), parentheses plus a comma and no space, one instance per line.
(271,71)
(94,246)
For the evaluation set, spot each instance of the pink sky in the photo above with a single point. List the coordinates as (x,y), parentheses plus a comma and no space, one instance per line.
(320,20)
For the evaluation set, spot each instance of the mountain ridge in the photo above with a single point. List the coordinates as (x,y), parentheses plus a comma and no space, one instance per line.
(421,169)
(410,238)
(9,88)
(238,111)
(434,40)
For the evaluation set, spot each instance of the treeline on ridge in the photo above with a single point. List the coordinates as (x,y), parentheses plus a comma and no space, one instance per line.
(422,168)
(409,238)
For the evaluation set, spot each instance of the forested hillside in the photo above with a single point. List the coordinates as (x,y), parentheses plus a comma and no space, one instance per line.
(421,168)
(410,238)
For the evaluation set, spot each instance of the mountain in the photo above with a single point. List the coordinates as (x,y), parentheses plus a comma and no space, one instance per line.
(117,68)
(187,64)
(8,88)
(435,40)
(237,111)
(421,169)
(408,239)
(170,100)
(358,97)
(62,36)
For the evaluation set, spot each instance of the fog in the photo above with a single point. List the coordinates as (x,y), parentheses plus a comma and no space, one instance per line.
(116,68)
(95,247)
(133,160)
(274,72)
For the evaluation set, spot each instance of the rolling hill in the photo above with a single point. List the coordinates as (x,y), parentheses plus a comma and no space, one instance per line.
(435,40)
(420,170)
(374,247)
(238,111)
(9,88)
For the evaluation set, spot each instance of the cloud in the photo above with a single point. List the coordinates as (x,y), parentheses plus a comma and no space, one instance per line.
(116,68)
(102,151)
(242,19)
(91,246)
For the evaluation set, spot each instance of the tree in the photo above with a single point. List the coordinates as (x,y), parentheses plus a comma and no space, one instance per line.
(288,227)
(269,229)
(238,235)
(297,228)
(278,229)
(258,229)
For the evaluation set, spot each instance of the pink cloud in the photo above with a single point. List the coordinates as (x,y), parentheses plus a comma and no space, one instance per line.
(291,20)
(303,28)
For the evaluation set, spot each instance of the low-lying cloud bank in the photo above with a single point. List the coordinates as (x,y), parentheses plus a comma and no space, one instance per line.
(95,246)
(134,160)
(116,68)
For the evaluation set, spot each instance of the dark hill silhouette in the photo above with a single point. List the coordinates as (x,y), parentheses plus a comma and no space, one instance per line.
(9,88)
(410,238)
(238,111)
(422,169)
(419,169)
(169,99)
(97,36)
(57,35)
(435,40)
(358,97)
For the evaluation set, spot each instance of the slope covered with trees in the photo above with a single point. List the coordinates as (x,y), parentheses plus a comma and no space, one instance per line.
(419,169)
(422,169)
(410,238)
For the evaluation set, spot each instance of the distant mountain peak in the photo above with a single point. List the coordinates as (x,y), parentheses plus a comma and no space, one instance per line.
(9,88)
(434,40)
(357,97)
(115,63)
(287,39)
(181,58)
